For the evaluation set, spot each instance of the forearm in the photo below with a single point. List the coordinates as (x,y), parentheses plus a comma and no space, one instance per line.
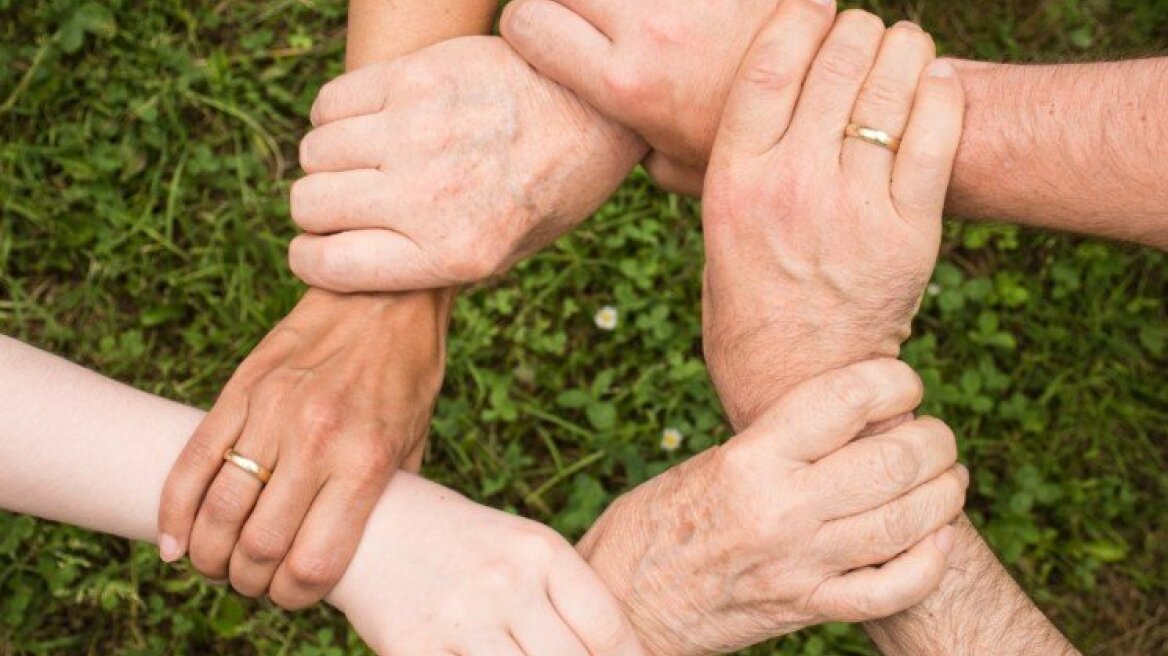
(79,448)
(979,609)
(1077,147)
(380,30)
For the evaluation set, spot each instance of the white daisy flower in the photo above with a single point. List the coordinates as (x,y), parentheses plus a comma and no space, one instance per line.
(934,289)
(606,318)
(671,439)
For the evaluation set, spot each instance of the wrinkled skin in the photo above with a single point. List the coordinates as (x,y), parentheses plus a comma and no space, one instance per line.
(793,522)
(445,167)
(663,68)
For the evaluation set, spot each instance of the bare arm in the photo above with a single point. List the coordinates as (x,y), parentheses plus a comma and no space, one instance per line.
(375,362)
(978,609)
(1078,148)
(380,30)
(79,448)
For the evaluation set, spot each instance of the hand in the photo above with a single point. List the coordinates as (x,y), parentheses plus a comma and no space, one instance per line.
(437,574)
(818,246)
(334,400)
(784,526)
(446,167)
(661,67)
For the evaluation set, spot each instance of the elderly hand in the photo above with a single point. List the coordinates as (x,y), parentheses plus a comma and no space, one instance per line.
(333,400)
(446,167)
(438,574)
(794,522)
(661,67)
(819,246)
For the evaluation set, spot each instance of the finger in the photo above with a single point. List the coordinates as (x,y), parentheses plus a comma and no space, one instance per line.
(542,631)
(873,471)
(271,529)
(674,176)
(364,261)
(819,416)
(229,502)
(834,83)
(877,536)
(921,174)
(324,203)
(363,91)
(604,14)
(563,46)
(886,101)
(359,142)
(324,545)
(758,110)
(582,600)
(876,592)
(188,480)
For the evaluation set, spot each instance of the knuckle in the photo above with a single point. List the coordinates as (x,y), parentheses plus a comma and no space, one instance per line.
(541,546)
(326,100)
(203,454)
(908,34)
(625,83)
(844,61)
(860,21)
(937,435)
(665,29)
(307,153)
(471,262)
(521,18)
(313,571)
(883,94)
(766,70)
(321,417)
(850,391)
(898,463)
(301,197)
(898,530)
(225,506)
(263,545)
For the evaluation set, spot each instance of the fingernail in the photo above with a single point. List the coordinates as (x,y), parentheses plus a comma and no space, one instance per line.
(168,548)
(963,472)
(945,539)
(825,3)
(941,68)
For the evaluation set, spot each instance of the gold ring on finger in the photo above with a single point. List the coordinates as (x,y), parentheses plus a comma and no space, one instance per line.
(258,471)
(873,136)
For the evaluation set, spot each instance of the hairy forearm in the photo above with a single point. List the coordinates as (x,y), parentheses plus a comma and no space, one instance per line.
(978,609)
(1077,147)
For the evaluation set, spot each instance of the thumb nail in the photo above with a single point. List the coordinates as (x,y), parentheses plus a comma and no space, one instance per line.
(169,549)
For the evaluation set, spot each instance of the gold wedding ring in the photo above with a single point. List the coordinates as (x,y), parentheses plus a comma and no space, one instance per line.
(261,473)
(873,136)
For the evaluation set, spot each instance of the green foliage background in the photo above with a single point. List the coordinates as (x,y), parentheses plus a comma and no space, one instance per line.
(146,149)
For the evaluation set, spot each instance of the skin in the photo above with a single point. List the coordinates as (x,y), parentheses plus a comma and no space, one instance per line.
(778,305)
(437,574)
(896,226)
(334,400)
(487,163)
(1067,147)
(434,573)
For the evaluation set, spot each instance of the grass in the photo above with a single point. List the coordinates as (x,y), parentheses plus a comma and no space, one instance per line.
(146,150)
